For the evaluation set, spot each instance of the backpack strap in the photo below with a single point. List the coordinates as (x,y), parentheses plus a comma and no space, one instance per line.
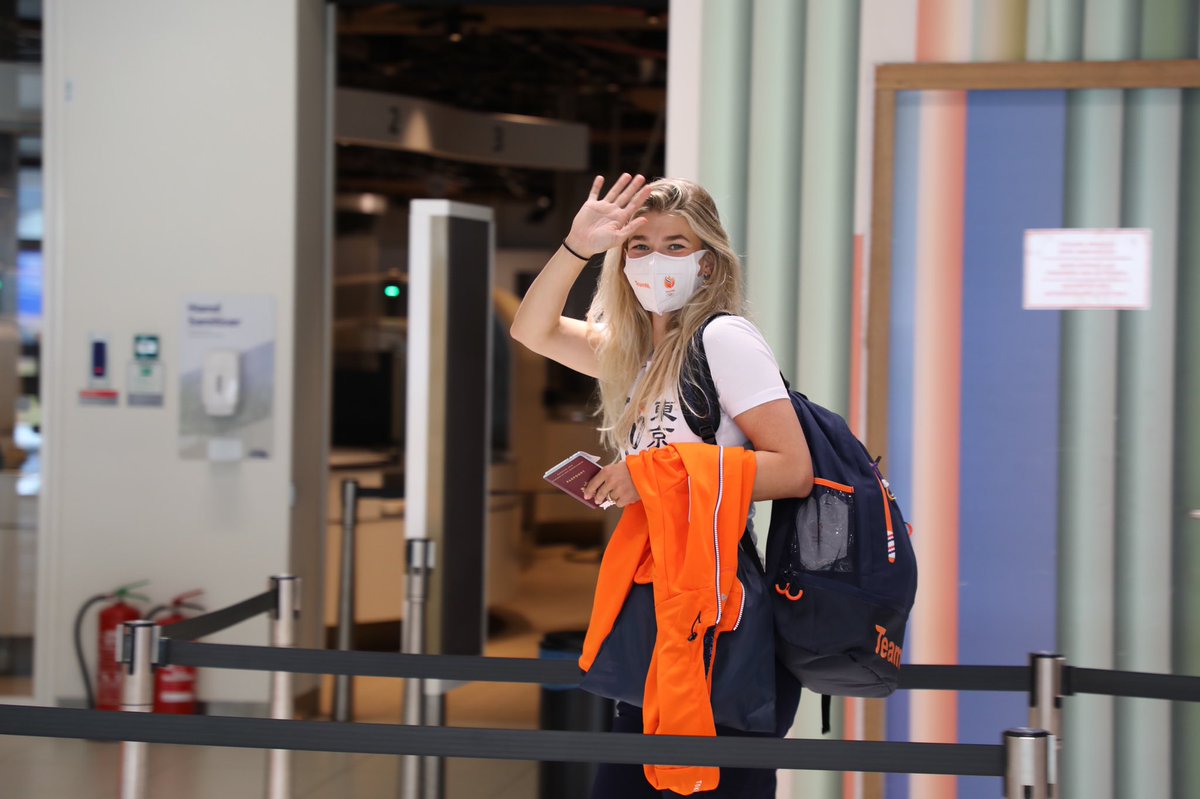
(697,391)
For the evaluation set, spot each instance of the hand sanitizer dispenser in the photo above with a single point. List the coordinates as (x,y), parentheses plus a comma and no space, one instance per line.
(221,382)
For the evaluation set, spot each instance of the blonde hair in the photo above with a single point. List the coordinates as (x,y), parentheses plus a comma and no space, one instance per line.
(620,328)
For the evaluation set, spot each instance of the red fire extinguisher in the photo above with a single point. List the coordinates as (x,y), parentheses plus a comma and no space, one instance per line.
(174,685)
(109,670)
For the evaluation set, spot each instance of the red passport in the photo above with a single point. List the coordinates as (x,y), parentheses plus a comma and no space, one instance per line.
(573,473)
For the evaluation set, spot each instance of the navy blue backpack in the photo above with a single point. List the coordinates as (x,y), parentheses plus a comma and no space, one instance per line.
(840,563)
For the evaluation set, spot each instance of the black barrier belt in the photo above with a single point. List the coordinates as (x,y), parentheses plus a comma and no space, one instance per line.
(566,674)
(965,678)
(1131,684)
(974,760)
(373,664)
(209,623)
(519,670)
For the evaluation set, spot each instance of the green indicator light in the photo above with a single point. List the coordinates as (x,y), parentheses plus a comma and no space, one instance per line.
(391,291)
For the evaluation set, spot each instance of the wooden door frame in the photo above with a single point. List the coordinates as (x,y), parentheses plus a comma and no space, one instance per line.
(1000,76)
(1008,76)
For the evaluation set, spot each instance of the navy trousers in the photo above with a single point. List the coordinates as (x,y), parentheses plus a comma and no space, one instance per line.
(628,781)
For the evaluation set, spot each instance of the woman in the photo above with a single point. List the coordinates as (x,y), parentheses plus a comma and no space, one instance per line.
(668,269)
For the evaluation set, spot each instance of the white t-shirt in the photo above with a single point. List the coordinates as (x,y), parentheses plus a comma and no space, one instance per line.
(745,373)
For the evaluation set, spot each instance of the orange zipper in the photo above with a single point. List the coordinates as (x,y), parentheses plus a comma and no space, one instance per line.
(821,481)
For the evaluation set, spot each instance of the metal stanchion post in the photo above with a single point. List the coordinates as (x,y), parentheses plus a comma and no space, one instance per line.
(433,769)
(283,633)
(1025,772)
(1045,707)
(343,687)
(138,645)
(420,561)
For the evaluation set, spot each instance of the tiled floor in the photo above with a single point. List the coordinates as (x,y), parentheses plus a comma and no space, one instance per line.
(554,594)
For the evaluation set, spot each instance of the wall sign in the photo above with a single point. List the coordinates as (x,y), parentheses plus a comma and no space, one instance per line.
(99,390)
(227,377)
(1080,268)
(145,376)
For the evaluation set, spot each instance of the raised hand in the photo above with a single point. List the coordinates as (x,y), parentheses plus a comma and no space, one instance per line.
(603,223)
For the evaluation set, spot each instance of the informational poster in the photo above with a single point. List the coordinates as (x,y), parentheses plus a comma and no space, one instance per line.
(1082,268)
(227,377)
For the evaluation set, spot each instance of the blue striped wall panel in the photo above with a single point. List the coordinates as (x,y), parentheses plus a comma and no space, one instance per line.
(1015,149)
(1008,510)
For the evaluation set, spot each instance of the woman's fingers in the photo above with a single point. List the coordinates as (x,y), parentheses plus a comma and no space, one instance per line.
(642,196)
(597,183)
(609,485)
(637,202)
(628,229)
(625,190)
(595,486)
(602,487)
(626,195)
(603,223)
(630,190)
(615,190)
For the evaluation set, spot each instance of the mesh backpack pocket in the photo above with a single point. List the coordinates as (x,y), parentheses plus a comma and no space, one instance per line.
(824,525)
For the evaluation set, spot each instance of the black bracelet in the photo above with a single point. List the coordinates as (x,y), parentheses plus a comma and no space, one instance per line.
(567,247)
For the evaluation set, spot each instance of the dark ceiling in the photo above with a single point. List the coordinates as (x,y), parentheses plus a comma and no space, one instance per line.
(603,65)
(599,64)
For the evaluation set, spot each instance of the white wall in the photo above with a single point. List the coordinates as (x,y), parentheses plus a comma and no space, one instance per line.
(176,164)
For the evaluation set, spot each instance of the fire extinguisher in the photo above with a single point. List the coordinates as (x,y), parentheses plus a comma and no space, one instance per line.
(109,671)
(175,685)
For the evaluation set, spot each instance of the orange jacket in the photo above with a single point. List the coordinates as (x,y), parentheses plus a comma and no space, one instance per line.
(683,536)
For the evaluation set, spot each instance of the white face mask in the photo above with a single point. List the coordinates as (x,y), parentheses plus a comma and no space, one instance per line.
(664,283)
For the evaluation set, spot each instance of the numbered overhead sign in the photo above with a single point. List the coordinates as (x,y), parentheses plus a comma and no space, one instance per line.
(374,119)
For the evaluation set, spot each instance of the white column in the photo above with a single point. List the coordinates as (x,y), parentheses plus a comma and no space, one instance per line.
(683,89)
(185,154)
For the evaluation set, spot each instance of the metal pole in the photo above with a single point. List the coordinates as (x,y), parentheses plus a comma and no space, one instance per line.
(433,768)
(1045,707)
(283,633)
(343,688)
(1026,754)
(138,642)
(420,554)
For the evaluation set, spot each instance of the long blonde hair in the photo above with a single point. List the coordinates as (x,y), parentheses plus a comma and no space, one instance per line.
(620,328)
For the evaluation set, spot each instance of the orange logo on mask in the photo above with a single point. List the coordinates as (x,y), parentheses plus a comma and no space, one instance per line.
(669,282)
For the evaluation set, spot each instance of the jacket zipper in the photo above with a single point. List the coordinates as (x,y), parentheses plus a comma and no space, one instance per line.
(716,514)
